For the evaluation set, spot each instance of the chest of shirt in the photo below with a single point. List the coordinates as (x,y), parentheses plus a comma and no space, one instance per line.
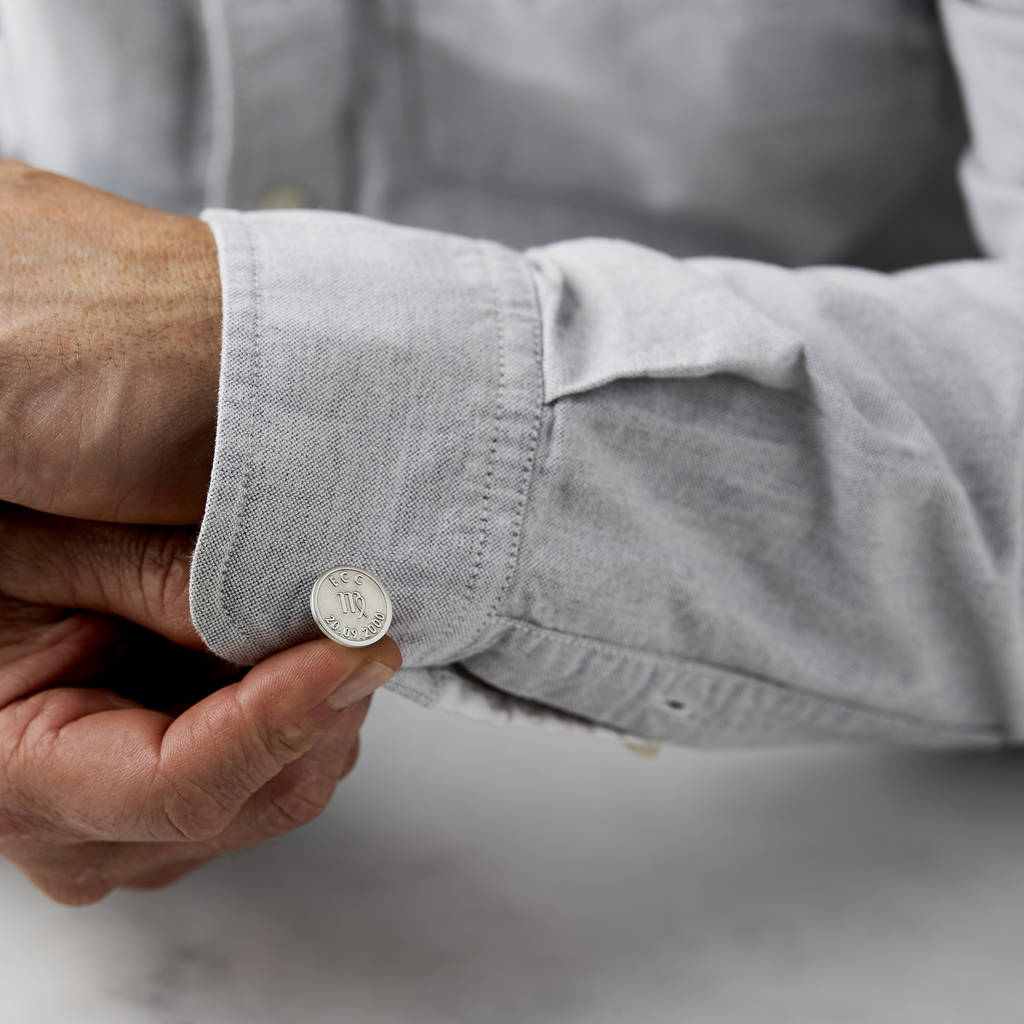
(769,128)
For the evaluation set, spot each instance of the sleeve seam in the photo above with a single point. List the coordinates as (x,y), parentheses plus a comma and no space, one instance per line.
(529,461)
(499,405)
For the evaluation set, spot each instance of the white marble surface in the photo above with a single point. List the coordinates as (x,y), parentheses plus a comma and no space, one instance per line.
(466,873)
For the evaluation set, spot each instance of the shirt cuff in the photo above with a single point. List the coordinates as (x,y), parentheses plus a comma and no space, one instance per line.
(379,405)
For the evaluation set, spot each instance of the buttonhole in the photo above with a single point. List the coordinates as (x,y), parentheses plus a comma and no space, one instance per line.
(675,705)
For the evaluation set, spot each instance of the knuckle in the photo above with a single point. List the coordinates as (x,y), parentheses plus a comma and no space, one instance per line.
(164,568)
(241,769)
(192,821)
(269,741)
(192,812)
(197,805)
(299,804)
(282,741)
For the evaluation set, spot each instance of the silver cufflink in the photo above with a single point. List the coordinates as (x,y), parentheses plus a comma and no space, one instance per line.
(351,606)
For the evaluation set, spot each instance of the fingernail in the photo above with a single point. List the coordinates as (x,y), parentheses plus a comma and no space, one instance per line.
(367,678)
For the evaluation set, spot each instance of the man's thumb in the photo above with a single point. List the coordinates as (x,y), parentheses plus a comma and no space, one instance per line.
(138,573)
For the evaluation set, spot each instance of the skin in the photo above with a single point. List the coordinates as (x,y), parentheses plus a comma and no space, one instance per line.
(98,791)
(109,352)
(129,755)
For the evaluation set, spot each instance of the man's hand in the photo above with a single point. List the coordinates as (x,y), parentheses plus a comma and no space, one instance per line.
(98,791)
(109,352)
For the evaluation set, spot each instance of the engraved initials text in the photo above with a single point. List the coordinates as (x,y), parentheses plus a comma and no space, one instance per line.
(341,578)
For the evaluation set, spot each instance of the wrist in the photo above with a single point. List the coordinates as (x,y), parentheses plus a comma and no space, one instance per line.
(109,353)
(181,366)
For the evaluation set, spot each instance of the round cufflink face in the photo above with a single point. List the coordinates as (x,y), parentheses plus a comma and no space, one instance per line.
(351,606)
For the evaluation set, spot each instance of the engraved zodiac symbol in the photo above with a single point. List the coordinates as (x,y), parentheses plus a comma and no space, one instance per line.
(353,603)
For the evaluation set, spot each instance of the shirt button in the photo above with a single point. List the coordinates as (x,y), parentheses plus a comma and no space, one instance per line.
(642,748)
(284,196)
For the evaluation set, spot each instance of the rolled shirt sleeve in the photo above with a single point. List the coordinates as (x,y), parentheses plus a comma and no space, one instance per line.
(380,402)
(710,501)
(379,405)
(706,500)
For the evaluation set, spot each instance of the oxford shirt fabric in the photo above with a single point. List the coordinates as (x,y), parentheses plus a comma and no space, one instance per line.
(640,347)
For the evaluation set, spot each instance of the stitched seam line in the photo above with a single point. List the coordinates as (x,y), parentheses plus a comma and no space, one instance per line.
(253,378)
(526,472)
(742,675)
(410,693)
(499,323)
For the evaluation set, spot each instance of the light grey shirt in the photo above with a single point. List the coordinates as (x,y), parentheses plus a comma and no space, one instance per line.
(640,347)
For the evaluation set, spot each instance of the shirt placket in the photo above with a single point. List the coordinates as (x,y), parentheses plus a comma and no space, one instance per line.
(280,89)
